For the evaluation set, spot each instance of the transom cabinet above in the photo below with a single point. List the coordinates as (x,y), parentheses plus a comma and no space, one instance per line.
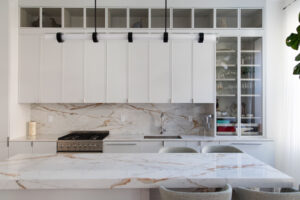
(116,71)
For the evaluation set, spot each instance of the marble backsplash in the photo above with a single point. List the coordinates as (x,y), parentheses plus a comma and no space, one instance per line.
(144,119)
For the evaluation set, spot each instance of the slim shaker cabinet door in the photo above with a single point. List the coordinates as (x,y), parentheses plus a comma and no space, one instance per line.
(51,71)
(204,72)
(138,82)
(29,67)
(73,62)
(95,72)
(159,72)
(117,67)
(182,71)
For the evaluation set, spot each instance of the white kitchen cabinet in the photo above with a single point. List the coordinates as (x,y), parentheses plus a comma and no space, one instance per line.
(182,71)
(262,150)
(29,68)
(159,72)
(44,147)
(51,71)
(73,62)
(204,72)
(121,147)
(150,147)
(95,72)
(3,151)
(20,147)
(209,143)
(117,67)
(174,144)
(193,145)
(138,72)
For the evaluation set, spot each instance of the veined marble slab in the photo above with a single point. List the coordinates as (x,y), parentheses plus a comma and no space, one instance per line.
(111,171)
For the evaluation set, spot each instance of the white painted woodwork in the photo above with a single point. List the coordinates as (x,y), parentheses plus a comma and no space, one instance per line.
(29,68)
(73,62)
(16,147)
(174,144)
(78,194)
(204,72)
(95,72)
(51,71)
(182,71)
(3,151)
(117,67)
(138,72)
(194,145)
(121,147)
(263,151)
(150,147)
(159,72)
(44,147)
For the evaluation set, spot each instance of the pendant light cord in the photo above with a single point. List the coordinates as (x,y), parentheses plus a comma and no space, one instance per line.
(95,16)
(166,10)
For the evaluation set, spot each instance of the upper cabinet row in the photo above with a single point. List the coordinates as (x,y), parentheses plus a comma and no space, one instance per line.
(115,71)
(140,18)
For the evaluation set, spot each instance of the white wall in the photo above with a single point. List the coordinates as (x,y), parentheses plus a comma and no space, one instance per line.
(13,116)
(19,114)
(4,62)
(283,88)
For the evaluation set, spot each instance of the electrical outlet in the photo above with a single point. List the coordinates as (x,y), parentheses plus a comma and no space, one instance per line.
(190,118)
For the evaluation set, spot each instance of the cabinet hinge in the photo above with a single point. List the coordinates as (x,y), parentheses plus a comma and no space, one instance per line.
(7,141)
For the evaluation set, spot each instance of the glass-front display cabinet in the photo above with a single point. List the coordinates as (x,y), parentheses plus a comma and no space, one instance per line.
(239,86)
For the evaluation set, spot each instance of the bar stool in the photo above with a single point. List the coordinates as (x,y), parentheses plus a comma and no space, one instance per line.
(220,194)
(177,150)
(220,149)
(247,194)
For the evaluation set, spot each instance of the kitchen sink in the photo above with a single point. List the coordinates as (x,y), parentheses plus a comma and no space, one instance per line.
(162,137)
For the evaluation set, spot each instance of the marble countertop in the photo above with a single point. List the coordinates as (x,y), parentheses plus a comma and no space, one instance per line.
(140,137)
(111,171)
(136,138)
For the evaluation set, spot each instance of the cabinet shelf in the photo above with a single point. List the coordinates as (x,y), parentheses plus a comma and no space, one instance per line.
(250,65)
(226,133)
(226,124)
(251,117)
(250,79)
(226,51)
(250,95)
(220,117)
(250,51)
(227,79)
(226,95)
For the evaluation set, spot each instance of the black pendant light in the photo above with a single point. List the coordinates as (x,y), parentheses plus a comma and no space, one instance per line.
(95,34)
(166,35)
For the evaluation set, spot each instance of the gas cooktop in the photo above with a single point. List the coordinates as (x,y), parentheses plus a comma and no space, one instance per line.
(82,141)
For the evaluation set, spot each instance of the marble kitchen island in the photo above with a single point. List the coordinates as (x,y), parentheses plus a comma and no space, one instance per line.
(129,176)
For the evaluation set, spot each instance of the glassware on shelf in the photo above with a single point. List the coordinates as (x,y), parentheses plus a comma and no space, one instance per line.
(138,18)
(52,17)
(227,18)
(251,86)
(30,17)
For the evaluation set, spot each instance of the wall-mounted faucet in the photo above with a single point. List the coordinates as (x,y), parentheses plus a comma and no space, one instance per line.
(162,129)
(208,119)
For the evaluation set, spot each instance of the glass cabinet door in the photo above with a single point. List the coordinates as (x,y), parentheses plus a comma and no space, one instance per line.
(251,86)
(226,75)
